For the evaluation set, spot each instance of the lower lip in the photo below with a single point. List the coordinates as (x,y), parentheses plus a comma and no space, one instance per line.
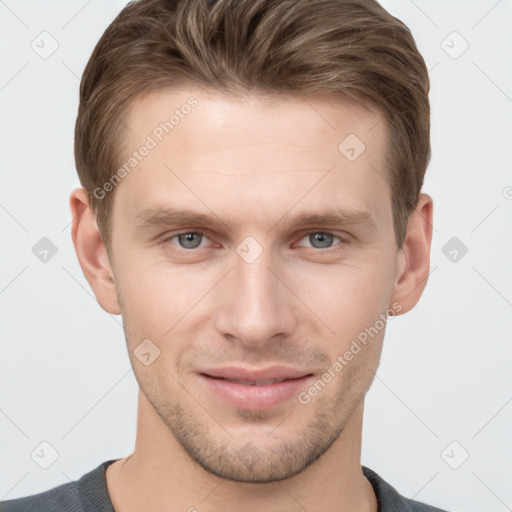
(255,398)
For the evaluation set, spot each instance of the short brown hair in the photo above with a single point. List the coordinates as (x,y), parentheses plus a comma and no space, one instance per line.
(343,47)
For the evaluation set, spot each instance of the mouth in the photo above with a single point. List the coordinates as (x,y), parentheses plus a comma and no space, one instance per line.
(251,383)
(255,390)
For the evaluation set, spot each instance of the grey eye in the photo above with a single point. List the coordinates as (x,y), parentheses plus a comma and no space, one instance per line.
(187,240)
(323,239)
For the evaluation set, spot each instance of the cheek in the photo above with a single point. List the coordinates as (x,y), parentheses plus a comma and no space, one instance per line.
(346,297)
(157,296)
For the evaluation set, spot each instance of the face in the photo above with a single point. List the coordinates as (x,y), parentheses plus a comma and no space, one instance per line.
(252,250)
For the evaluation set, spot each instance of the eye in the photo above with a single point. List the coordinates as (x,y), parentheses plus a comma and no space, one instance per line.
(321,239)
(190,240)
(187,239)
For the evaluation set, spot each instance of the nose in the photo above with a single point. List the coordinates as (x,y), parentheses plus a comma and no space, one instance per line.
(254,303)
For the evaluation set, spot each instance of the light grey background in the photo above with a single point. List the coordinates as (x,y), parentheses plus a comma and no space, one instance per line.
(445,370)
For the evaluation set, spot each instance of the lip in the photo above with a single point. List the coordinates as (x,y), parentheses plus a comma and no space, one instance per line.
(222,382)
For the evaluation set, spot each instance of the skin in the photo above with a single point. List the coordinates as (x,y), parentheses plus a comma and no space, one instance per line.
(255,163)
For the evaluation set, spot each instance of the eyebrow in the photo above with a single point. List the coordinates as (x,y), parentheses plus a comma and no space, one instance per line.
(167,216)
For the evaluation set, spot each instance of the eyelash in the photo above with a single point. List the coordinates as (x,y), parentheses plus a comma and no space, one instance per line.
(167,240)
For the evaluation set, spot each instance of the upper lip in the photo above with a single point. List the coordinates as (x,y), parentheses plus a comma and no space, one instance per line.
(256,374)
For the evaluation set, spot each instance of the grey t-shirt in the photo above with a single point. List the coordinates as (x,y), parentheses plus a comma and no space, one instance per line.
(89,494)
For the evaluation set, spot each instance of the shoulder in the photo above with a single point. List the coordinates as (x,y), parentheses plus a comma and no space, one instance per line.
(62,498)
(87,494)
(390,500)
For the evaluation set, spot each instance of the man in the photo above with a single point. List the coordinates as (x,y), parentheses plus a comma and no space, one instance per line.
(252,206)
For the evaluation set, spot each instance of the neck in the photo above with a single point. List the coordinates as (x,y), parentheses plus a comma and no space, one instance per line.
(159,475)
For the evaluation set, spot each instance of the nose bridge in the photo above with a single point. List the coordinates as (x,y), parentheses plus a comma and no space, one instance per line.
(255,305)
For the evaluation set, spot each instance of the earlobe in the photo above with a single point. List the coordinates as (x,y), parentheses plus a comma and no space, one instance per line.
(92,253)
(413,264)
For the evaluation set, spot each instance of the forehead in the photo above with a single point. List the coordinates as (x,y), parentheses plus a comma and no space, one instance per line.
(213,118)
(240,153)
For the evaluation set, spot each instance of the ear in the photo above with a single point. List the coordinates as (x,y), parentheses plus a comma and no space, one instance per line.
(92,253)
(413,264)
